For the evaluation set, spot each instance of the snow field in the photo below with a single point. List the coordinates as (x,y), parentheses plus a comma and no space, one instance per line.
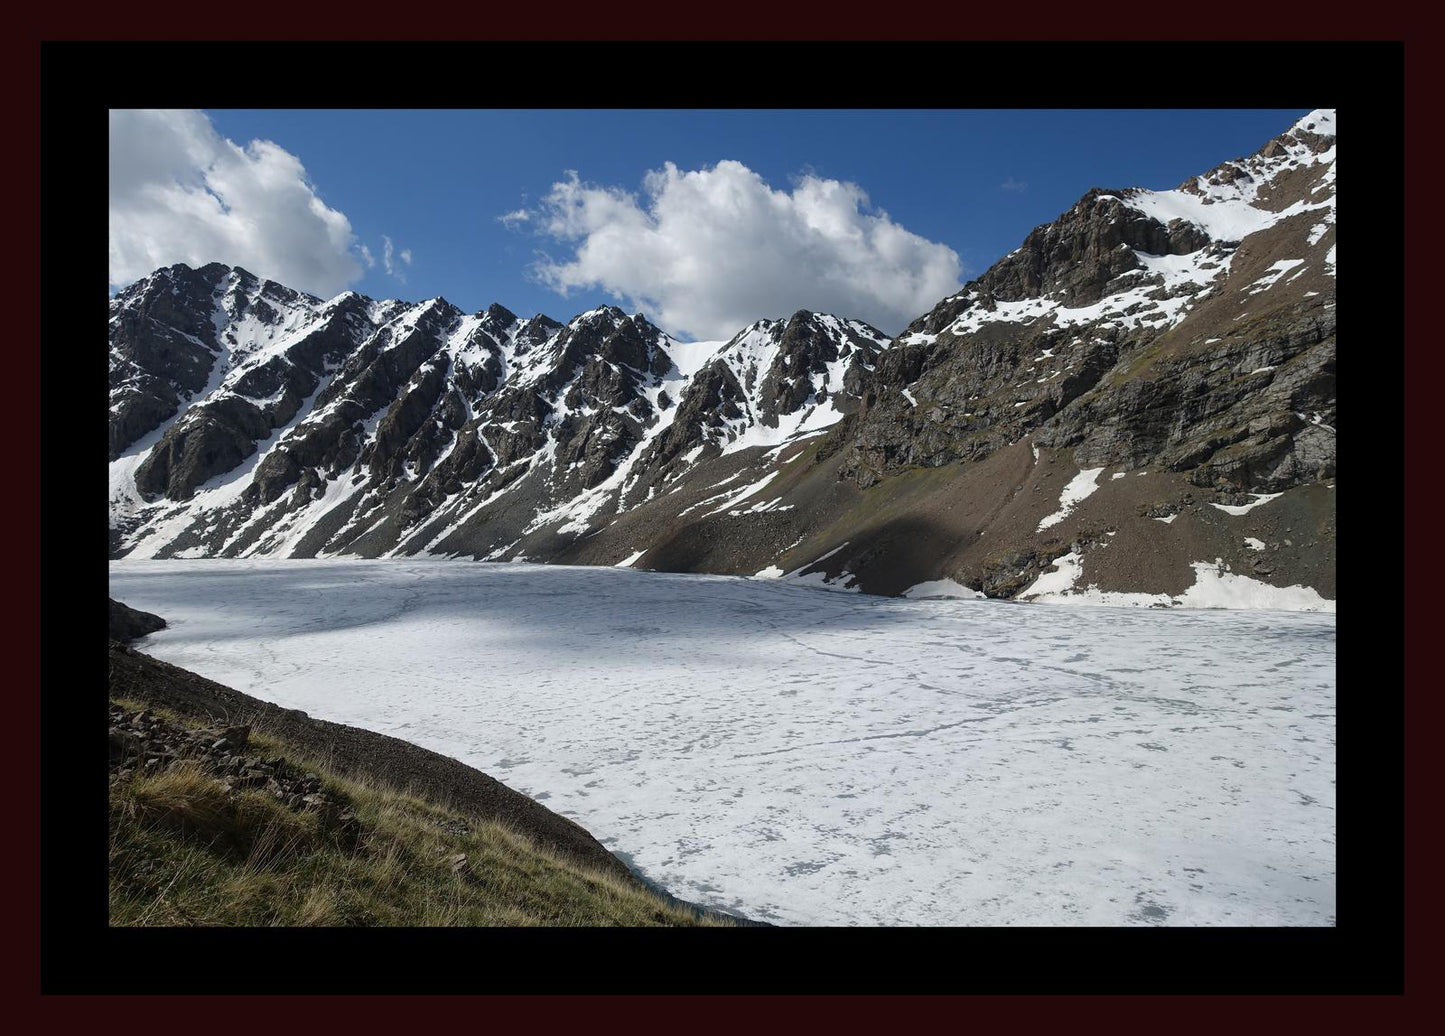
(823,758)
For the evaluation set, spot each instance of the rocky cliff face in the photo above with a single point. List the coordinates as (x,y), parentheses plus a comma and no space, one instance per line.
(997,444)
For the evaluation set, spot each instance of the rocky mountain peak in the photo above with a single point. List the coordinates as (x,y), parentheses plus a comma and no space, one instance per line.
(499,315)
(1295,168)
(1074,258)
(602,316)
(1318,125)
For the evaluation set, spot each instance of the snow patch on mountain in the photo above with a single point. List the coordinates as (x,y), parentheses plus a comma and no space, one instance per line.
(1260,499)
(1215,586)
(942,588)
(1080,488)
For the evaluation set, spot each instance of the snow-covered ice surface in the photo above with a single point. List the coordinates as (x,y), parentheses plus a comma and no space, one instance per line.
(821,758)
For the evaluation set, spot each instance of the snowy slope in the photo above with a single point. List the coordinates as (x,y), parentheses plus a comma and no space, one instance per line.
(1233,201)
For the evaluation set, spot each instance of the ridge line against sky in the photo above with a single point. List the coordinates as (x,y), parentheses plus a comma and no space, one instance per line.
(704,221)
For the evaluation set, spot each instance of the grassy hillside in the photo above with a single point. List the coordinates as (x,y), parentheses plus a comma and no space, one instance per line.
(215,825)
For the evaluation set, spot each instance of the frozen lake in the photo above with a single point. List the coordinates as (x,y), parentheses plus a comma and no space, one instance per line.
(808,757)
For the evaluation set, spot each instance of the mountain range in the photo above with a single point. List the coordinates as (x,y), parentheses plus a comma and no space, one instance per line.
(1137,405)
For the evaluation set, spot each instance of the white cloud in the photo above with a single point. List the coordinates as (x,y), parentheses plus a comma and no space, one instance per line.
(180,192)
(515,217)
(388,253)
(1017,186)
(367,257)
(710,251)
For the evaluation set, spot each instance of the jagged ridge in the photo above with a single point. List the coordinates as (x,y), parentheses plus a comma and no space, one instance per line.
(247,419)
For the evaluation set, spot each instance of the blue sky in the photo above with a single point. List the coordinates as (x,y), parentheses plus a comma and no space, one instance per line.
(966,184)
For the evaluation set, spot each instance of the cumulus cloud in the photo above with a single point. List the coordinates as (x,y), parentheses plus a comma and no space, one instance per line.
(709,251)
(1017,186)
(180,192)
